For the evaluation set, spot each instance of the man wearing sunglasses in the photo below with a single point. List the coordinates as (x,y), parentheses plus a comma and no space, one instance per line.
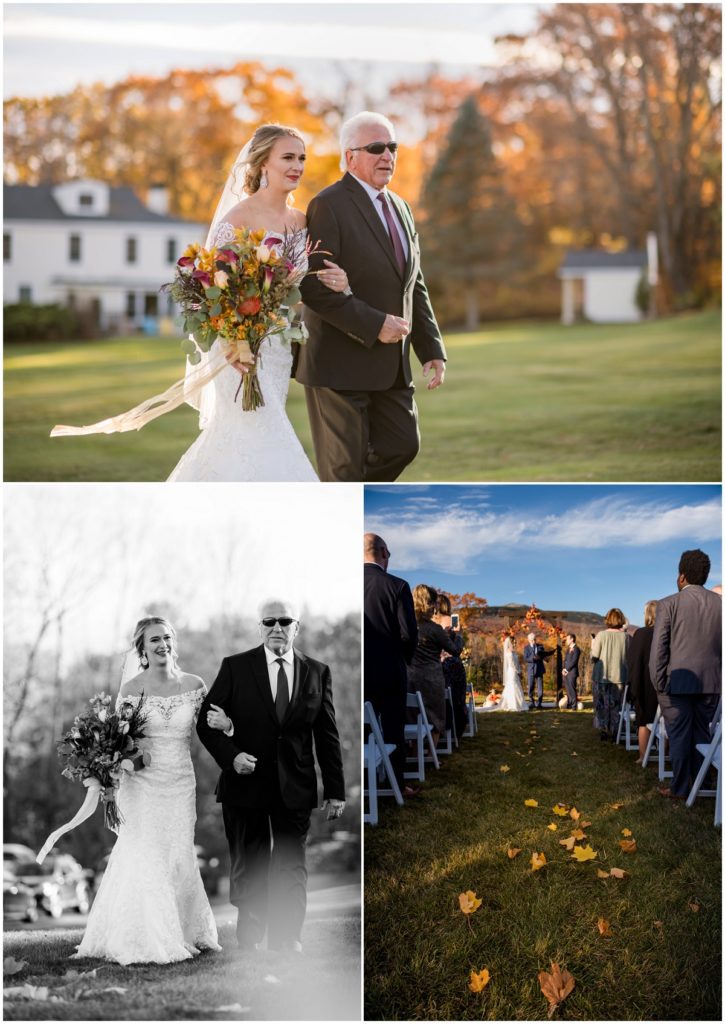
(356,363)
(268,704)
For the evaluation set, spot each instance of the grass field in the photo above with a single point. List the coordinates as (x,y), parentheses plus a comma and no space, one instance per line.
(662,960)
(522,401)
(324,984)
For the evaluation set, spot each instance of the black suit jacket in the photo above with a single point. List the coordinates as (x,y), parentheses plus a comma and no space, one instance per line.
(686,654)
(571,663)
(534,665)
(342,351)
(390,633)
(284,752)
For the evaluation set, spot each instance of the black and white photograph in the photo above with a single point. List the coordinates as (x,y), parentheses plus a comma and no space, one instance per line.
(181,735)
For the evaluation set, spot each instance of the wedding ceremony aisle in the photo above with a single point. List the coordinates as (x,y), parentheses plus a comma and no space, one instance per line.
(643,946)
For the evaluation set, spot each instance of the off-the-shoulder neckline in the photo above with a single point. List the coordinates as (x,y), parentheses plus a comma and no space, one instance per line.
(268,231)
(161,696)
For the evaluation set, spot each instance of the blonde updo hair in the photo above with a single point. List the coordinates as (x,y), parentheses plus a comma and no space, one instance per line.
(260,146)
(138,635)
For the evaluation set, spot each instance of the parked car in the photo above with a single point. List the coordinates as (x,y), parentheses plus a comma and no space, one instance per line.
(59,883)
(18,899)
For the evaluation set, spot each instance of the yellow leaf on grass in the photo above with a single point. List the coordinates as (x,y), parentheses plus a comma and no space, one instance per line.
(584,824)
(574,813)
(574,753)
(615,807)
(537,861)
(582,853)
(618,873)
(513,851)
(568,843)
(555,986)
(628,845)
(602,874)
(626,831)
(560,809)
(604,926)
(504,768)
(694,906)
(657,924)
(578,833)
(479,981)
(468,902)
(531,803)
(553,827)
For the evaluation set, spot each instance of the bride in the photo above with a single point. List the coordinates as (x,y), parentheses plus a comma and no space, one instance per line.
(235,445)
(151,906)
(512,698)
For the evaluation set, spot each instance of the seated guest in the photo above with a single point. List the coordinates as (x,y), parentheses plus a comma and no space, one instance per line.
(686,667)
(426,672)
(641,690)
(609,674)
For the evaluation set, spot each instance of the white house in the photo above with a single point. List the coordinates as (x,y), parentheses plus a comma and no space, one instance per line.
(602,286)
(93,247)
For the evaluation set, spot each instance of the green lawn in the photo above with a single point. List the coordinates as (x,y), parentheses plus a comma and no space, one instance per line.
(522,401)
(323,984)
(662,960)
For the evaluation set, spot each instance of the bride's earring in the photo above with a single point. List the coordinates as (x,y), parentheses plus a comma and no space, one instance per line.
(263,180)
(144,659)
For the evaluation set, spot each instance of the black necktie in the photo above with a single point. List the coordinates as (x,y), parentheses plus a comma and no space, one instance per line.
(281,702)
(394,233)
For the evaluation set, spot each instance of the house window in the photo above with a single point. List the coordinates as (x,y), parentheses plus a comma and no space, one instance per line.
(25,293)
(131,250)
(151,304)
(85,199)
(7,248)
(171,250)
(131,305)
(74,248)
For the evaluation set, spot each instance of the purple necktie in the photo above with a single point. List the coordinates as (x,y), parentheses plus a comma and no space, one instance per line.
(394,233)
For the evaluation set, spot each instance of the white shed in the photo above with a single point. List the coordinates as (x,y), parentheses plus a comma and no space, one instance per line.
(602,286)
(93,247)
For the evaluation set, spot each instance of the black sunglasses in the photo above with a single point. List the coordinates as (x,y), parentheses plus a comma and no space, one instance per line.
(377,148)
(284,621)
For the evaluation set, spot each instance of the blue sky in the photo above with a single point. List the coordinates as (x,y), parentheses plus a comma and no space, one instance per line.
(51,47)
(574,547)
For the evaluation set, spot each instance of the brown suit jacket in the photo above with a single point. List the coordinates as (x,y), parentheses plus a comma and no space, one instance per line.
(342,351)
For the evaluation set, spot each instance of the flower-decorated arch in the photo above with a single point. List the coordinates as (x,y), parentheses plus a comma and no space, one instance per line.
(534,618)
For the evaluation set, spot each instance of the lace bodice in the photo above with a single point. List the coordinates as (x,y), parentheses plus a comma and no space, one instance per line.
(151,906)
(249,446)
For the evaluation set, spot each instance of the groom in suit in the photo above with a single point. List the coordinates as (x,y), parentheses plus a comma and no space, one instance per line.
(570,672)
(271,702)
(356,363)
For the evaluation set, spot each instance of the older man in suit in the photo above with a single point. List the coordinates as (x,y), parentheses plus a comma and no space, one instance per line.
(356,363)
(390,638)
(686,666)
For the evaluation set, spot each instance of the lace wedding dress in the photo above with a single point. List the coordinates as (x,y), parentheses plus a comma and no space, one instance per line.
(151,906)
(248,446)
(512,698)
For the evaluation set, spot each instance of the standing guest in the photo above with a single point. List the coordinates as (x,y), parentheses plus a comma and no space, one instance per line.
(686,665)
(610,673)
(570,671)
(643,693)
(454,672)
(390,637)
(426,673)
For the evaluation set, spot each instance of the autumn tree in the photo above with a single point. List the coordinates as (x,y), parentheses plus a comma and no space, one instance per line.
(473,235)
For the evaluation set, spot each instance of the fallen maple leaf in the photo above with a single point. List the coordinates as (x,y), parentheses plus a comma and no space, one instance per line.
(657,924)
(694,906)
(582,853)
(553,827)
(537,861)
(604,926)
(12,966)
(618,873)
(560,809)
(628,845)
(555,987)
(602,874)
(513,851)
(615,807)
(504,768)
(468,902)
(584,824)
(568,843)
(574,813)
(479,981)
(531,803)
(626,831)
(578,833)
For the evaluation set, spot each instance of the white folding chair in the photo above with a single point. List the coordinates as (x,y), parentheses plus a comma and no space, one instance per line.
(712,757)
(449,698)
(472,724)
(626,720)
(422,733)
(377,760)
(448,737)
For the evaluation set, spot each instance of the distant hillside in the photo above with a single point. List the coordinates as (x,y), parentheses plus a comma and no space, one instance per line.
(517,611)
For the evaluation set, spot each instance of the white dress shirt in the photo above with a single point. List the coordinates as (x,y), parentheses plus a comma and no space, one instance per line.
(374,193)
(273,670)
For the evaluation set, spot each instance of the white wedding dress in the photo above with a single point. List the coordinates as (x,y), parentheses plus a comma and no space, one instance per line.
(512,698)
(259,445)
(151,906)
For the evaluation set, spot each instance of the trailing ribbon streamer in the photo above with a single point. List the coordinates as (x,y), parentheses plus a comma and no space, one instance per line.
(89,805)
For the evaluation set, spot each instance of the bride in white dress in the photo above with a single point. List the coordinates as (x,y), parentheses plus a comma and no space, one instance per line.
(151,906)
(512,698)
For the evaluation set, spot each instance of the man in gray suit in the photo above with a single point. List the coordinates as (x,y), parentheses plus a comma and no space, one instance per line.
(356,364)
(686,666)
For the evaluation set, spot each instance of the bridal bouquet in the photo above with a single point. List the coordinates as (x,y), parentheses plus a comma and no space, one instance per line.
(240,293)
(101,745)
